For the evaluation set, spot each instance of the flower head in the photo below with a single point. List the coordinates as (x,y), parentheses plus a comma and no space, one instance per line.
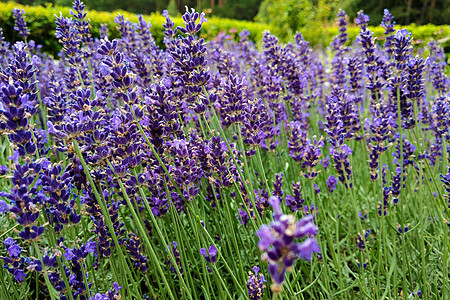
(19,23)
(255,284)
(277,241)
(210,254)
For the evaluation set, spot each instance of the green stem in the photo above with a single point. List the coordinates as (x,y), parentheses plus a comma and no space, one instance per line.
(230,224)
(258,154)
(221,280)
(47,280)
(402,216)
(52,237)
(105,212)
(144,235)
(158,229)
(219,256)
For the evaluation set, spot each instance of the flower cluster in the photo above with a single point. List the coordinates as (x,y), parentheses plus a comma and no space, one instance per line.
(19,23)
(15,263)
(176,254)
(255,284)
(277,241)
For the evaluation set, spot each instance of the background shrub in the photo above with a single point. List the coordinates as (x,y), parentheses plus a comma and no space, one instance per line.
(41,21)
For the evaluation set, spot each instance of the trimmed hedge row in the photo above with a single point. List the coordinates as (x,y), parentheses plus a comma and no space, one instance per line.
(41,22)
(320,35)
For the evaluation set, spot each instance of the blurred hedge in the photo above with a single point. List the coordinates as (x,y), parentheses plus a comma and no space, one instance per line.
(41,22)
(322,36)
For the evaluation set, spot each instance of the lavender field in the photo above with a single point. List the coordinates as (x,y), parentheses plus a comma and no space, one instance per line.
(220,169)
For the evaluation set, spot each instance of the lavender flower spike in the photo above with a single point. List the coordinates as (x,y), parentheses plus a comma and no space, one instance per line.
(19,23)
(277,241)
(255,284)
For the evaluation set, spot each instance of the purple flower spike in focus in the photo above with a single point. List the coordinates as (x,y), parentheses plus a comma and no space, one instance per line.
(190,19)
(295,201)
(402,48)
(14,263)
(343,35)
(135,250)
(255,284)
(14,251)
(277,241)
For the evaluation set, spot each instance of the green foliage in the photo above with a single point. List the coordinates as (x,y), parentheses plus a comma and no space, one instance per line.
(314,18)
(41,21)
(417,11)
(290,16)
(322,36)
(405,12)
(287,15)
(172,8)
(235,9)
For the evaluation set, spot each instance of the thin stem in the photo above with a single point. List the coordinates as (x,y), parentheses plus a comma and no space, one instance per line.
(105,212)
(144,234)
(47,280)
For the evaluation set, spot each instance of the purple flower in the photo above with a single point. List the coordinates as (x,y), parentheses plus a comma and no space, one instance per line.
(307,248)
(295,201)
(277,241)
(340,40)
(31,233)
(99,296)
(278,186)
(15,264)
(362,20)
(19,23)
(316,188)
(396,184)
(19,275)
(437,63)
(3,206)
(210,254)
(401,230)
(388,22)
(326,162)
(190,19)
(255,284)
(342,163)
(9,242)
(362,239)
(331,183)
(110,295)
(36,265)
(266,237)
(14,251)
(135,250)
(176,254)
(360,215)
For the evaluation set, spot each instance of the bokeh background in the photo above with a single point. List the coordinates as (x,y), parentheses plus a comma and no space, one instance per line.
(293,13)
